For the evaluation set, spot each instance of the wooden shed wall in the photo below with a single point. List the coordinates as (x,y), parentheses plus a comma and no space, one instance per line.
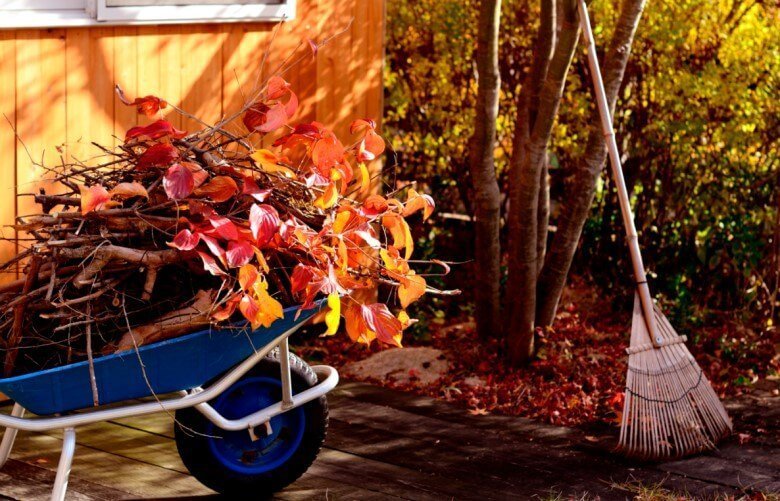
(57,85)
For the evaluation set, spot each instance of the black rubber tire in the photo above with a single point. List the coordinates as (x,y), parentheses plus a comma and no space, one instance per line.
(198,458)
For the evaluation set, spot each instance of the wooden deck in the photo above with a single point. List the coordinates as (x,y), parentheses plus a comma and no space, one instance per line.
(390,445)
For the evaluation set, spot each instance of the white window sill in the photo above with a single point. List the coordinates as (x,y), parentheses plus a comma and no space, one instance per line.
(76,18)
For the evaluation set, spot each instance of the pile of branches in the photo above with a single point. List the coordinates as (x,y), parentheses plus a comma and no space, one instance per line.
(173,231)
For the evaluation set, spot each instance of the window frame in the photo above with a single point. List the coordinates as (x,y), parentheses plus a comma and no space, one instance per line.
(97,13)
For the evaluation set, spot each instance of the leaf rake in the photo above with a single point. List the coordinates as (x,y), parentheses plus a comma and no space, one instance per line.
(670,408)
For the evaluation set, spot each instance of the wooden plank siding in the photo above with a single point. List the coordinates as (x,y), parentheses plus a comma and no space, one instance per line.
(57,87)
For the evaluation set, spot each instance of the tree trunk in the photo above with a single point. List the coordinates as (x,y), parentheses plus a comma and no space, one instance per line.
(543,215)
(523,263)
(580,186)
(483,175)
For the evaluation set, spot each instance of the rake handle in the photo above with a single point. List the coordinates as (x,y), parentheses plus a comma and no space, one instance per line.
(617,173)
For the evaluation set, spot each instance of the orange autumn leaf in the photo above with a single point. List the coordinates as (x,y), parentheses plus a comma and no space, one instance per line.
(355,325)
(219,189)
(259,308)
(247,276)
(361,125)
(93,198)
(411,288)
(327,152)
(129,190)
(400,232)
(416,202)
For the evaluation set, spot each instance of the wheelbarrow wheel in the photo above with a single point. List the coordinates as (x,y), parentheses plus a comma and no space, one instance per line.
(231,462)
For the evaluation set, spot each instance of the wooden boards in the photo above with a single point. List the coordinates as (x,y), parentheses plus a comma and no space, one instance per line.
(58,84)
(388,445)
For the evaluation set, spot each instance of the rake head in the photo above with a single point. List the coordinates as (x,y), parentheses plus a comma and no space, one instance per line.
(670,409)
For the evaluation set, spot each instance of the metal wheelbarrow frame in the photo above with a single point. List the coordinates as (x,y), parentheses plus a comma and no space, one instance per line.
(196,397)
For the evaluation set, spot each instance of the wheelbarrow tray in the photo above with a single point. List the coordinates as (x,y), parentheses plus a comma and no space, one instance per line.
(181,363)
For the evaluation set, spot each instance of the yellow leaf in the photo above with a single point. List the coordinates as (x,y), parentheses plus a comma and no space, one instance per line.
(365,177)
(403,317)
(328,199)
(270,163)
(334,314)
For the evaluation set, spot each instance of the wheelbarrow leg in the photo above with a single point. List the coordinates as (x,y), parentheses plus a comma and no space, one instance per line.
(9,436)
(63,468)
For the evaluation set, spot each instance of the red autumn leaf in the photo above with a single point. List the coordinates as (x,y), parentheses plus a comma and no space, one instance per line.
(250,188)
(148,105)
(383,323)
(275,117)
(178,182)
(214,247)
(185,240)
(374,205)
(301,276)
(302,134)
(371,144)
(158,155)
(198,208)
(254,118)
(292,105)
(227,310)
(210,265)
(239,253)
(361,125)
(263,118)
(264,222)
(370,147)
(153,131)
(219,189)
(249,307)
(93,198)
(277,87)
(199,174)
(327,152)
(224,227)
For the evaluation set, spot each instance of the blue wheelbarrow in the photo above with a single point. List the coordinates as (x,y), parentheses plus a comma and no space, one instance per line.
(251,417)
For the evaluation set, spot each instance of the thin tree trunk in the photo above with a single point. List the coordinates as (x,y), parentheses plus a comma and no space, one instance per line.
(543,216)
(580,186)
(483,174)
(523,265)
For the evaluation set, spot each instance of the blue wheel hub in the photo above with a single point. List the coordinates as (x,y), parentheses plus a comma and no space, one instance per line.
(235,449)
